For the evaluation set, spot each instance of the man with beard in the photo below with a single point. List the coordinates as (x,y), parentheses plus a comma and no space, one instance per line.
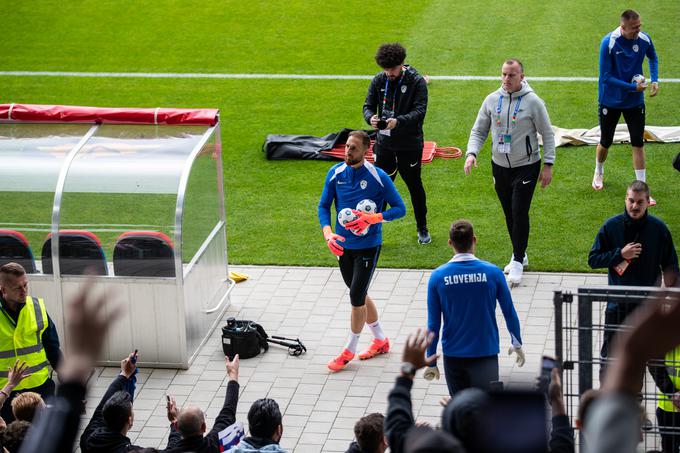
(395,106)
(637,249)
(347,184)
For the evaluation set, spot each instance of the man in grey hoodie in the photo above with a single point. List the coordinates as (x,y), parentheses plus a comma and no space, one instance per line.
(515,115)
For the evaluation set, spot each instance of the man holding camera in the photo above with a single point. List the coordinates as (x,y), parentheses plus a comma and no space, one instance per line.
(395,105)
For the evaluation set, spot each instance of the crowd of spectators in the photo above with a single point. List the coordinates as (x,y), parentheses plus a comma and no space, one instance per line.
(471,422)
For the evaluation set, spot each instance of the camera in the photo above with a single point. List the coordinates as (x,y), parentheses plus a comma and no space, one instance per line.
(382,124)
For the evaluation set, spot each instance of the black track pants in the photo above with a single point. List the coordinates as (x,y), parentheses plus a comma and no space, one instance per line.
(515,189)
(408,164)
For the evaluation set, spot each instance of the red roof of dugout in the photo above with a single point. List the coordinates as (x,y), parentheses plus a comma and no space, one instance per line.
(78,114)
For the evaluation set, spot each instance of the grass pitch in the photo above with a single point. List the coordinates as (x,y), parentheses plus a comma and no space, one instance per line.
(271,206)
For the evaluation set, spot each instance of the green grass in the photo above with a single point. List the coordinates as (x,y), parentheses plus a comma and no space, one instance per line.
(271,206)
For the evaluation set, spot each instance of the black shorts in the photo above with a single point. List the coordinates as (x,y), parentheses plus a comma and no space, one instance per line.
(609,118)
(356,267)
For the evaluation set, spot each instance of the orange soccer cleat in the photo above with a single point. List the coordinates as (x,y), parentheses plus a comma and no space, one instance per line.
(377,347)
(341,361)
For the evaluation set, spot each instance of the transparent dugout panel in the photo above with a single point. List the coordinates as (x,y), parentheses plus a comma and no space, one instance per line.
(31,157)
(124,180)
(202,206)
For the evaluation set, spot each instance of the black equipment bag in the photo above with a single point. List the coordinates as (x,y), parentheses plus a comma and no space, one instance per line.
(245,338)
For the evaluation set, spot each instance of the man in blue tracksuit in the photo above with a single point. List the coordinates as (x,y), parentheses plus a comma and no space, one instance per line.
(621,91)
(347,184)
(464,292)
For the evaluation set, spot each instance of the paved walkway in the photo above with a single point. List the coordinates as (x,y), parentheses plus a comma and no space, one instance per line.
(319,408)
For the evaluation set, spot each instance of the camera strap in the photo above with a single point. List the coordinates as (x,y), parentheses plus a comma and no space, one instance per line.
(396,92)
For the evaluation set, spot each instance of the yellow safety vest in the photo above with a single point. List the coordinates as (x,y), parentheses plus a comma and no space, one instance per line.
(672,363)
(23,342)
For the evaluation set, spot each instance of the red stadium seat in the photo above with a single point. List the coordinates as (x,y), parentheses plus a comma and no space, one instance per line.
(80,252)
(144,254)
(14,247)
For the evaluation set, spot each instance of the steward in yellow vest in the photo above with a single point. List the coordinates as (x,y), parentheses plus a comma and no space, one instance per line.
(27,334)
(667,379)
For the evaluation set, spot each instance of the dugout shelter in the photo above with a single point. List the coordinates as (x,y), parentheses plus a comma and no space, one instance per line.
(134,197)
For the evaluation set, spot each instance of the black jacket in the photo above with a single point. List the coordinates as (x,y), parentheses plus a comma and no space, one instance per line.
(97,438)
(658,252)
(561,435)
(210,443)
(410,97)
(354,448)
(399,418)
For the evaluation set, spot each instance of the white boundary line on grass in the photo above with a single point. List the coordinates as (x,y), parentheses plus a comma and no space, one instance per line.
(195,75)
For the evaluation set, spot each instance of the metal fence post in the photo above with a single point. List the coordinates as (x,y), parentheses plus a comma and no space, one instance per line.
(585,343)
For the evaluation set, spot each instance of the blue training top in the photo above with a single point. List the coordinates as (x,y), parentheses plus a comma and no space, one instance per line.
(464,291)
(620,60)
(347,186)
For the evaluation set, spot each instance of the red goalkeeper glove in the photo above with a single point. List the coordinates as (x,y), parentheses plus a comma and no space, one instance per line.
(332,241)
(364,220)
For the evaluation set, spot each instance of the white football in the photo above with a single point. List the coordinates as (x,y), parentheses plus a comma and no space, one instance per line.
(367,205)
(639,78)
(346,215)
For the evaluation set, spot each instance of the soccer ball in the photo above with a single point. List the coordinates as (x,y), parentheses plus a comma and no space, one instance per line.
(368,206)
(346,215)
(639,78)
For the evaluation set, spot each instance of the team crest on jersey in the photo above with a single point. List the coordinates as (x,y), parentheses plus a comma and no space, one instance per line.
(363,184)
(635,48)
(403,89)
(605,111)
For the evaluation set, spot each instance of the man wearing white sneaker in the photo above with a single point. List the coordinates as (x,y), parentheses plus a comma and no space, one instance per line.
(465,292)
(621,91)
(515,115)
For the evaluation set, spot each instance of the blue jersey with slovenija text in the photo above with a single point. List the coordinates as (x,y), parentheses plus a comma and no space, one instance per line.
(464,293)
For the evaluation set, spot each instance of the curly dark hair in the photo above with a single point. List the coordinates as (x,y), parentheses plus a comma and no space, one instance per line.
(369,431)
(14,435)
(390,55)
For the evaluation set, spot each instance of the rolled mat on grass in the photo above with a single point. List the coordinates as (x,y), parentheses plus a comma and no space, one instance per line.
(332,147)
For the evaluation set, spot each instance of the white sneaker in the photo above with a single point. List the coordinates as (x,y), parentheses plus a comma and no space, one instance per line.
(525,263)
(598,181)
(515,274)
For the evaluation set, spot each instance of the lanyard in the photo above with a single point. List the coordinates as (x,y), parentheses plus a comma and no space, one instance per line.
(387,85)
(514,113)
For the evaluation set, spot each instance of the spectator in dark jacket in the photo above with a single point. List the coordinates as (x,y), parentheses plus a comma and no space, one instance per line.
(113,417)
(266,428)
(14,435)
(87,323)
(370,435)
(188,426)
(402,435)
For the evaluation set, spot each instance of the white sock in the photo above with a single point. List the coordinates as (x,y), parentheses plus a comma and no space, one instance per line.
(352,342)
(640,175)
(377,330)
(599,167)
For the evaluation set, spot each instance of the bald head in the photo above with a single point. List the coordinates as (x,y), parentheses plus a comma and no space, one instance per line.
(191,421)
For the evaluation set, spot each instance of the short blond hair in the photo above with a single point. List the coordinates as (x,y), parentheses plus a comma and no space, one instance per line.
(25,405)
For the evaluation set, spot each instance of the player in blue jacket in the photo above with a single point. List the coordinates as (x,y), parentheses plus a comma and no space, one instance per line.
(357,243)
(621,91)
(464,292)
